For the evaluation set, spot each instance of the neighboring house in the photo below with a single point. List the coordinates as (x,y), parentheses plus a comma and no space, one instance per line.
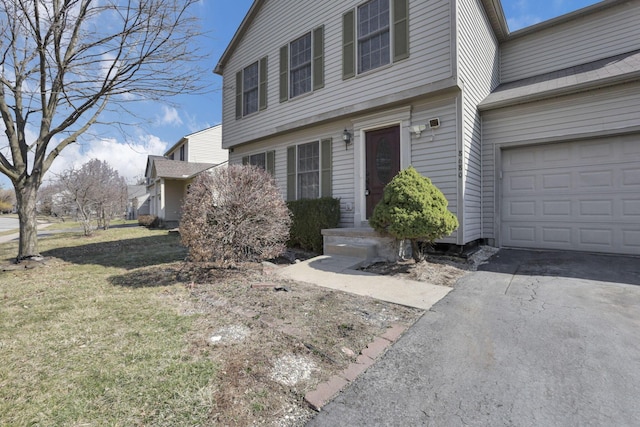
(533,136)
(137,201)
(169,176)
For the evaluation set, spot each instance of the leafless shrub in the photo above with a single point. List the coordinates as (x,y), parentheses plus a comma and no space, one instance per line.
(234,215)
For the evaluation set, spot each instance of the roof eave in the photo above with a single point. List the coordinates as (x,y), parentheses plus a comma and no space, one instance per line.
(495,13)
(242,29)
(569,90)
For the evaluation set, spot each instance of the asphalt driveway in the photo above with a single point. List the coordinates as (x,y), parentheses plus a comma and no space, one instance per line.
(535,339)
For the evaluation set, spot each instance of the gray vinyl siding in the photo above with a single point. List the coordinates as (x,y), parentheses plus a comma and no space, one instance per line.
(478,65)
(601,112)
(206,146)
(434,153)
(429,62)
(600,35)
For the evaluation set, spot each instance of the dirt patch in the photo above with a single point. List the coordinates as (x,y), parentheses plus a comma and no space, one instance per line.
(437,269)
(276,340)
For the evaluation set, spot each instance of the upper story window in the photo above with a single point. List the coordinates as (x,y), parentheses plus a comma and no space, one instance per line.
(183,157)
(374,34)
(302,65)
(251,89)
(300,73)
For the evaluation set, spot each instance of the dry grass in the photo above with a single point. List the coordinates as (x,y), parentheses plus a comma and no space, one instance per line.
(116,330)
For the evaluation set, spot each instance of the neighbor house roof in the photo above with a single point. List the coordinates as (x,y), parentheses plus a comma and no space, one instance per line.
(176,169)
(136,191)
(605,72)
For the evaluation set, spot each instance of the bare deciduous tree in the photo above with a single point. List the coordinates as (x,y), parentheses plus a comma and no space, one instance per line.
(65,62)
(93,191)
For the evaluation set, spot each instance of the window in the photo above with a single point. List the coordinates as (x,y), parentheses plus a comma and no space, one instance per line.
(171,156)
(251,89)
(373,35)
(300,73)
(182,156)
(302,65)
(265,160)
(309,170)
(308,186)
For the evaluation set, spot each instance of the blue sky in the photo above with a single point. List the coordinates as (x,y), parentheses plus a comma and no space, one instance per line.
(167,123)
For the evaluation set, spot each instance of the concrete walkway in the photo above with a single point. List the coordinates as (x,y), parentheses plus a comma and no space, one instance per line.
(340,273)
(16,235)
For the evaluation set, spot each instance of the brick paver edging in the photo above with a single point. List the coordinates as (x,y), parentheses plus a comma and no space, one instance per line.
(317,398)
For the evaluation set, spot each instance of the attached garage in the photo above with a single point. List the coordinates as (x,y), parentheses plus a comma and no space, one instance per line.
(579,195)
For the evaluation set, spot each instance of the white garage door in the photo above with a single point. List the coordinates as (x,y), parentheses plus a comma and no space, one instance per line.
(582,195)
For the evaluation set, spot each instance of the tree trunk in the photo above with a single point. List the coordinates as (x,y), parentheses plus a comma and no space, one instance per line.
(417,254)
(26,197)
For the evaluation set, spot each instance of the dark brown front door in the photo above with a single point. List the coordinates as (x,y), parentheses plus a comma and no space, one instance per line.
(383,162)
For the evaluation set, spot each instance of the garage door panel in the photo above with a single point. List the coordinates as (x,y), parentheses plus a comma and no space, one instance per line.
(582,195)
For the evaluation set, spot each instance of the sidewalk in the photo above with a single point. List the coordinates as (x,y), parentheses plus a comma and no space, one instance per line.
(340,273)
(16,235)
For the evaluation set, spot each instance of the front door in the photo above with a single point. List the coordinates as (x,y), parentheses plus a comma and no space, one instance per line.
(383,162)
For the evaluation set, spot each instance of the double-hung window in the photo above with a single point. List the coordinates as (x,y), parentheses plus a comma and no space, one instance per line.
(309,170)
(264,160)
(251,88)
(302,65)
(308,185)
(374,34)
(300,72)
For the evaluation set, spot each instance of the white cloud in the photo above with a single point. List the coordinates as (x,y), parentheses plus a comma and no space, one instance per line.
(170,116)
(129,159)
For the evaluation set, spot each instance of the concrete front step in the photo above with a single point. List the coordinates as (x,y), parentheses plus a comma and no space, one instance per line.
(360,242)
(355,250)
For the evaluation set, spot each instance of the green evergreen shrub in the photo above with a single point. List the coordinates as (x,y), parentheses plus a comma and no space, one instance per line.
(415,209)
(310,216)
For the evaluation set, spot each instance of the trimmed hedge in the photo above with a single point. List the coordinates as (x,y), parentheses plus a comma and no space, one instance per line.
(310,216)
(149,221)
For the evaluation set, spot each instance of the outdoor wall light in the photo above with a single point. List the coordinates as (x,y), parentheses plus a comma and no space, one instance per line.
(346,137)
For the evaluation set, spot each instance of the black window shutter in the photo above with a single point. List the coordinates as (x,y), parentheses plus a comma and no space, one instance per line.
(400,29)
(271,162)
(284,73)
(239,95)
(245,160)
(348,45)
(325,163)
(262,96)
(318,58)
(291,173)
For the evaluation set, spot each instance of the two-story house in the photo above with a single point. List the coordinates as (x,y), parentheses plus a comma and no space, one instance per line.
(533,136)
(168,176)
